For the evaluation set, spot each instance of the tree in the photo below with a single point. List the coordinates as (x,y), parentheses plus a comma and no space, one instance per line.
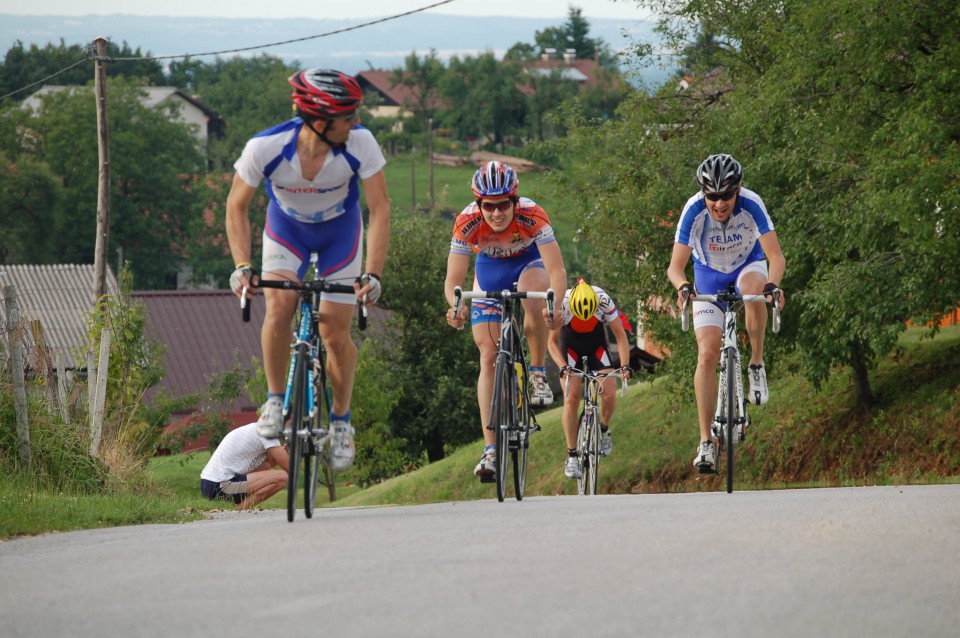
(489,87)
(423,78)
(573,35)
(31,197)
(153,157)
(434,368)
(843,114)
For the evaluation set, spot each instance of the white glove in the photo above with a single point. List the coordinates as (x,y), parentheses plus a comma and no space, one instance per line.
(374,281)
(236,283)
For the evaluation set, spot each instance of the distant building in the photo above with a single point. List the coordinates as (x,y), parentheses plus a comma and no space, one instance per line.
(206,122)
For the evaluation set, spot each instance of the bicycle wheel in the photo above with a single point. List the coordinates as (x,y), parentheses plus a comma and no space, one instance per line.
(501,409)
(320,422)
(296,422)
(593,449)
(730,431)
(583,454)
(519,453)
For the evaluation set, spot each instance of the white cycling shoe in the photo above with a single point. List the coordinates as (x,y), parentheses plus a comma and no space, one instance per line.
(540,393)
(758,385)
(706,458)
(270,423)
(342,448)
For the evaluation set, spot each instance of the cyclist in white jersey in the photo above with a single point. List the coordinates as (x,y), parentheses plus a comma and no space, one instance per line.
(727,231)
(312,167)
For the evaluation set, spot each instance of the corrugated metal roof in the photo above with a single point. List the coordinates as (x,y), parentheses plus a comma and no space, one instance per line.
(204,335)
(60,296)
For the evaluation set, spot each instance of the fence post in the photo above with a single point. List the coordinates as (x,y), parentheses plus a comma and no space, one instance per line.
(99,395)
(62,388)
(16,364)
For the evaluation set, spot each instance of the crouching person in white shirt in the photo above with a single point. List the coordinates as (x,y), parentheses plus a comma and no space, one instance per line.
(242,468)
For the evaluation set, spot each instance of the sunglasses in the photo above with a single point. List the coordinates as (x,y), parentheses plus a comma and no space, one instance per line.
(725,196)
(500,206)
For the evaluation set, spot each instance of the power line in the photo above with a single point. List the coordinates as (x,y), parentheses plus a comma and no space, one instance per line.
(20,90)
(274,44)
(259,46)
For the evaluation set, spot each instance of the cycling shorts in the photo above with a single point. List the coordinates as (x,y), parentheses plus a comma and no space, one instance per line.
(499,274)
(592,345)
(234,489)
(287,244)
(709,282)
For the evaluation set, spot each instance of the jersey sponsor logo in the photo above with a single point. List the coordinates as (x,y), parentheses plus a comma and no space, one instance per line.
(471,226)
(706,311)
(307,190)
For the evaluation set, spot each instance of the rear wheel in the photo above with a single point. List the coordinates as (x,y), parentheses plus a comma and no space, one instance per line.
(583,455)
(731,429)
(295,423)
(501,410)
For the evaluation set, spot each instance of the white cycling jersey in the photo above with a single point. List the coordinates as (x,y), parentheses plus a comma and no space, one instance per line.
(726,246)
(272,156)
(240,452)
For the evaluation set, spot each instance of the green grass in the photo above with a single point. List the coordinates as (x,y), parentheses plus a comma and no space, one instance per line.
(802,439)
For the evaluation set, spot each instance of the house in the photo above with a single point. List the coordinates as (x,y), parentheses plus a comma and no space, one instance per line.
(57,298)
(206,122)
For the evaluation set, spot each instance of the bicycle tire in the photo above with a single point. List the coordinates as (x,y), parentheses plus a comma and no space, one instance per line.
(294,442)
(593,446)
(519,453)
(731,429)
(583,462)
(311,471)
(500,409)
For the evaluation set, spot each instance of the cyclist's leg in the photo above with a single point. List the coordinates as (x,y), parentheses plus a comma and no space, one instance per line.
(534,277)
(705,378)
(335,320)
(751,280)
(571,405)
(485,318)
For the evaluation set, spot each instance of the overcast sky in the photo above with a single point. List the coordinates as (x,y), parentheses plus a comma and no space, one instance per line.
(318,9)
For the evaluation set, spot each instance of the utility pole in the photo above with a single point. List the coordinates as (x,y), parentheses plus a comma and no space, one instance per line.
(430,158)
(103,187)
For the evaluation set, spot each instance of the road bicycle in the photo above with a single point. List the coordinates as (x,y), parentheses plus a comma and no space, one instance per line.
(307,402)
(730,421)
(510,413)
(588,433)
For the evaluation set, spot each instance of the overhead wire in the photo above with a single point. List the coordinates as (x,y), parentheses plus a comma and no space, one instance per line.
(239,50)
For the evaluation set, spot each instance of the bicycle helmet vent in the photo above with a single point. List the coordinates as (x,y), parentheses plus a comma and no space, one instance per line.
(583,300)
(495,179)
(325,94)
(719,173)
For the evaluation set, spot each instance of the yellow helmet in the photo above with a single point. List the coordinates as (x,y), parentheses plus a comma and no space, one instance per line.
(583,300)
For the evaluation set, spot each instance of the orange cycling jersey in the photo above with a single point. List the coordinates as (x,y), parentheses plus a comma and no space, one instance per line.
(530,226)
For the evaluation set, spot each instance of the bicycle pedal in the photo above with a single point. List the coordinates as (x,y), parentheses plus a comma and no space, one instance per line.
(488,479)
(706,469)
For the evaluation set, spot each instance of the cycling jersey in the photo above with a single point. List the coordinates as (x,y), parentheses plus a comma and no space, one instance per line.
(271,156)
(726,246)
(530,226)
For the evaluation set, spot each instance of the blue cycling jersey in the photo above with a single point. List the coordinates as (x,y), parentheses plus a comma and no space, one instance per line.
(726,246)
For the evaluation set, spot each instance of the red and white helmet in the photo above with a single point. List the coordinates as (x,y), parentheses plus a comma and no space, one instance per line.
(325,94)
(494,179)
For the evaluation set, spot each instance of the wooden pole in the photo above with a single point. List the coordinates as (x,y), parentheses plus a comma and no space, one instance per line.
(100,392)
(413,184)
(103,187)
(14,332)
(430,157)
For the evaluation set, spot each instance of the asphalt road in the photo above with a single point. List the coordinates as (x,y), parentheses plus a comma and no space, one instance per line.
(871,561)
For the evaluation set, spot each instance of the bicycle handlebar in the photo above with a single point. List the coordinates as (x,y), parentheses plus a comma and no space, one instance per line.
(459,295)
(599,376)
(316,285)
(731,297)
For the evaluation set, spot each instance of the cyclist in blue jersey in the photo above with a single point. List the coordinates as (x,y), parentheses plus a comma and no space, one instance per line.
(727,231)
(313,166)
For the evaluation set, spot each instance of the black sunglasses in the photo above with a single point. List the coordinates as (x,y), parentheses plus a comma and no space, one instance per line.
(725,196)
(501,206)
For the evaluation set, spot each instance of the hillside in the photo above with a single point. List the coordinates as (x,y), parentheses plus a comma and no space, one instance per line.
(802,438)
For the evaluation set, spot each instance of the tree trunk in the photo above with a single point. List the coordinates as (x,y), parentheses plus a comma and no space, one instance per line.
(434,445)
(863,397)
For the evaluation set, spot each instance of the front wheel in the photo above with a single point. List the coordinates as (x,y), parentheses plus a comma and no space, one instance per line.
(501,420)
(731,400)
(593,445)
(523,442)
(296,422)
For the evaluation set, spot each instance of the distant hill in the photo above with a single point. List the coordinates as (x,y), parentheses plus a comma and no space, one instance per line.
(381,46)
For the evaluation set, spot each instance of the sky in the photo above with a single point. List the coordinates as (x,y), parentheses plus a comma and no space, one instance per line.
(319,9)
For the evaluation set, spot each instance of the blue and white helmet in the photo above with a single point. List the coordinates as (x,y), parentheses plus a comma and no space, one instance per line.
(719,173)
(494,179)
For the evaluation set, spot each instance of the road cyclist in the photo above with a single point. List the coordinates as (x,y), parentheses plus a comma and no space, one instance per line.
(313,166)
(728,232)
(515,246)
(587,313)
